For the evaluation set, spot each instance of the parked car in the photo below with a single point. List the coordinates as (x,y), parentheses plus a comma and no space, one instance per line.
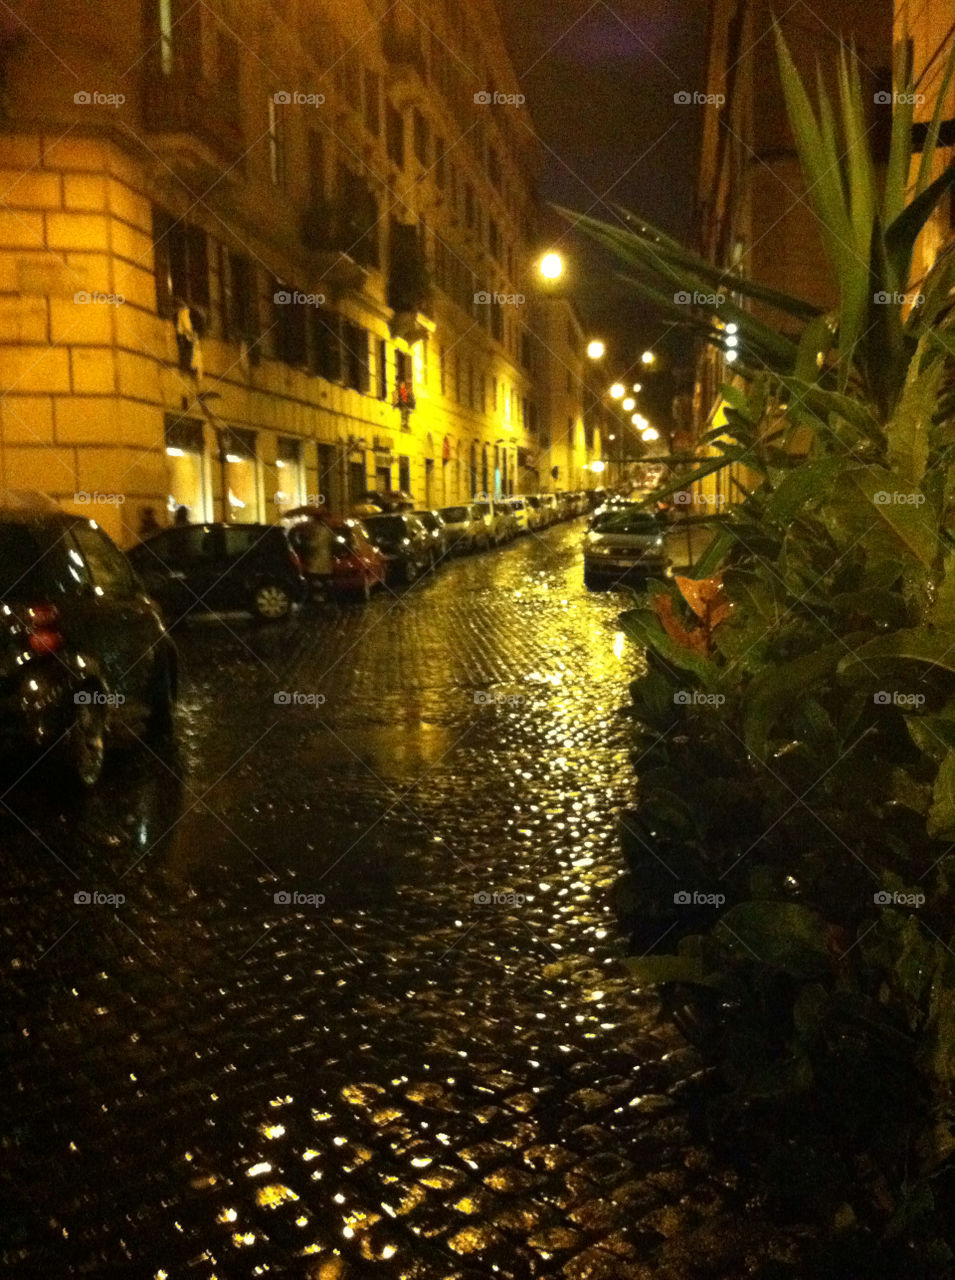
(222,567)
(535,513)
(624,542)
(549,508)
(404,542)
(519,512)
(84,654)
(336,554)
(434,523)
(497,521)
(464,530)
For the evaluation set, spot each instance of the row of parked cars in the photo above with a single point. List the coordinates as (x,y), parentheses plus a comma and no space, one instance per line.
(85,649)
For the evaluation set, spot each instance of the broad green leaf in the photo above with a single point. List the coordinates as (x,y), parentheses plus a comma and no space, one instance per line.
(781,935)
(769,696)
(934,648)
(901,236)
(644,628)
(895,508)
(652,971)
(941,816)
(810,482)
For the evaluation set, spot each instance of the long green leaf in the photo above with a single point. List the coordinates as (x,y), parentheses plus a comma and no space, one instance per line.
(935,648)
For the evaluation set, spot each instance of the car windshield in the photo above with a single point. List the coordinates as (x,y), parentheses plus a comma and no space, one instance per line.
(626,520)
(427,519)
(455,515)
(386,529)
(483,508)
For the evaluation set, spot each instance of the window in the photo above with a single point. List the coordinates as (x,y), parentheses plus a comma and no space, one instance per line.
(404,474)
(442,360)
(421,134)
(357,371)
(382,370)
(290,326)
(395,136)
(316,167)
(275,139)
(165,37)
(237,296)
(326,344)
(181,258)
(403,370)
(372,102)
(290,489)
(109,568)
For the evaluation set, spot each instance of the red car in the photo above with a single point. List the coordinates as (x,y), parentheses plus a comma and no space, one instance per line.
(336,553)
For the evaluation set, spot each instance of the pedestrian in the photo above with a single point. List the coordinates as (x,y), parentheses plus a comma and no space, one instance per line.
(182,516)
(148,524)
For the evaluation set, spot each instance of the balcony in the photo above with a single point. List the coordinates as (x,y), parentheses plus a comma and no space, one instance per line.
(193,126)
(403,50)
(342,238)
(409,280)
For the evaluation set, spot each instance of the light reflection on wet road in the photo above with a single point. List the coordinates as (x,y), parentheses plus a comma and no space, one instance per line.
(422,1057)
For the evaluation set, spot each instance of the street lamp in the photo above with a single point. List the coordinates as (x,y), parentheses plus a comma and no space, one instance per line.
(629,403)
(648,357)
(638,386)
(551,266)
(596,349)
(650,434)
(617,390)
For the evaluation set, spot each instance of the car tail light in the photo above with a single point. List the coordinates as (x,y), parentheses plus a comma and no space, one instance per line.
(43,628)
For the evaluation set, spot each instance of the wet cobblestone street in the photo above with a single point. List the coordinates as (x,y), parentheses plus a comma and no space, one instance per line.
(424,1057)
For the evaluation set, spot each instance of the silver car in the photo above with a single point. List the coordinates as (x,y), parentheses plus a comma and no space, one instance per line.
(463,529)
(623,543)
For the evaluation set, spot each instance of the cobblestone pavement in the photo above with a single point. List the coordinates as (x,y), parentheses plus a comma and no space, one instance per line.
(425,1060)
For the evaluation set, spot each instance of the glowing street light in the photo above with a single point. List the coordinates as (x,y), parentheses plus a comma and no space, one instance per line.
(640,421)
(629,403)
(598,466)
(551,266)
(650,435)
(617,390)
(638,386)
(648,357)
(595,349)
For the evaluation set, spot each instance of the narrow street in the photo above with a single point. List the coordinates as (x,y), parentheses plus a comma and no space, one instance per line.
(423,1058)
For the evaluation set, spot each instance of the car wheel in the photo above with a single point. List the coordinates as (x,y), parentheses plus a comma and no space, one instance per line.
(83,748)
(160,724)
(271,602)
(410,571)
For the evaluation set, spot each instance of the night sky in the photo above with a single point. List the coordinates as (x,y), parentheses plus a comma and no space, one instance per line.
(600,81)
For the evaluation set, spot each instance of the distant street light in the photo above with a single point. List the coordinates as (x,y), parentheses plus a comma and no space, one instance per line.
(650,435)
(638,386)
(629,403)
(648,357)
(598,466)
(551,266)
(595,349)
(617,390)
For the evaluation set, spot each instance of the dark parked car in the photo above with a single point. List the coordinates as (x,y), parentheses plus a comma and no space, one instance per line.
(434,523)
(84,653)
(404,542)
(624,542)
(222,567)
